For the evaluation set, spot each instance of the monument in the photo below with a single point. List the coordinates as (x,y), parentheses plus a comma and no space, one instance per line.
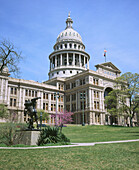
(30,135)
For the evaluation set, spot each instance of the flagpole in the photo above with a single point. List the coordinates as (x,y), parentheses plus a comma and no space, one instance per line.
(105,55)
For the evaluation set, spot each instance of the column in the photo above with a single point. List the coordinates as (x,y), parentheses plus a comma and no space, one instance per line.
(84,61)
(41,106)
(93,118)
(23,99)
(60,59)
(67,59)
(92,99)
(49,103)
(86,99)
(79,107)
(87,63)
(80,60)
(9,91)
(6,89)
(39,101)
(1,97)
(76,101)
(103,108)
(90,104)
(100,100)
(101,118)
(56,61)
(70,102)
(73,62)
(19,97)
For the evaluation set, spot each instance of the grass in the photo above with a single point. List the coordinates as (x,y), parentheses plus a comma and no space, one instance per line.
(88,134)
(107,156)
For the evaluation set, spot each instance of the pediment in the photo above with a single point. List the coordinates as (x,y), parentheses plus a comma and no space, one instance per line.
(108,66)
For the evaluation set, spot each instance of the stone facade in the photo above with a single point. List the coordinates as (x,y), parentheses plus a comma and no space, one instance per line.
(80,90)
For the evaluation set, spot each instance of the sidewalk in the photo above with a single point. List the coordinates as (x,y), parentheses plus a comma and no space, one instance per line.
(72,145)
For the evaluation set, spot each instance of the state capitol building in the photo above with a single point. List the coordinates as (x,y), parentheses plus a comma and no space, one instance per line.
(77,88)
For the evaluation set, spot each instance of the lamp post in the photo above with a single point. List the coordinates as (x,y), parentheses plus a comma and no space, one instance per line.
(56,96)
(82,96)
(40,120)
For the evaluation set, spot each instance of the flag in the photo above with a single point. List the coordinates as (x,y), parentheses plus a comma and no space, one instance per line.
(105,53)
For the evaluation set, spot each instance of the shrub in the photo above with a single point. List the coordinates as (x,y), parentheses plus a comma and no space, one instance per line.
(52,135)
(8,132)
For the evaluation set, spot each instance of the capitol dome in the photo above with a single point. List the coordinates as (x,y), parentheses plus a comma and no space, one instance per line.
(69,34)
(69,57)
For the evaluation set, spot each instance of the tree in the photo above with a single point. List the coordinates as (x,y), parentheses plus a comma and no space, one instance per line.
(9,57)
(63,118)
(126,95)
(111,102)
(129,90)
(45,115)
(3,111)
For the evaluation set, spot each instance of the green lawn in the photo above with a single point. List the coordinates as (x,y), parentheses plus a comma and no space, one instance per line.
(100,133)
(123,156)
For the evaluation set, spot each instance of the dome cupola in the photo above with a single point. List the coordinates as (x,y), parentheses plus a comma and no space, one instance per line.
(69,56)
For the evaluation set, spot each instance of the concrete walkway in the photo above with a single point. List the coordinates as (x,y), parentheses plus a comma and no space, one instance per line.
(72,145)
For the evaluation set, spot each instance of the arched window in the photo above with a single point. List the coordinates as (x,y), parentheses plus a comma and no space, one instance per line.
(61,46)
(74,45)
(65,45)
(70,45)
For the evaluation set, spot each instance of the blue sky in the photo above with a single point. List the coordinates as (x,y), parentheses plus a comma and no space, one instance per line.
(33,26)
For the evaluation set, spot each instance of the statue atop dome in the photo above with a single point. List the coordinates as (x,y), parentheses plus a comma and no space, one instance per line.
(69,21)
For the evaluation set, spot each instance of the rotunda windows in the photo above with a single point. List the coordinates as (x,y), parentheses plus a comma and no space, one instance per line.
(65,45)
(61,46)
(74,45)
(70,45)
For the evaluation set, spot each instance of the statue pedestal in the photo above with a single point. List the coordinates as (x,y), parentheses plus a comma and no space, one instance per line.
(27,137)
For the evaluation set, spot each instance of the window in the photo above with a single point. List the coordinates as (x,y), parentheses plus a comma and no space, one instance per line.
(26,93)
(68,98)
(65,45)
(54,107)
(74,45)
(47,106)
(70,45)
(57,72)
(11,101)
(43,106)
(29,92)
(67,86)
(51,107)
(52,97)
(96,82)
(63,72)
(61,108)
(95,105)
(14,102)
(61,98)
(15,91)
(11,90)
(35,93)
(70,72)
(73,97)
(61,46)
(32,93)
